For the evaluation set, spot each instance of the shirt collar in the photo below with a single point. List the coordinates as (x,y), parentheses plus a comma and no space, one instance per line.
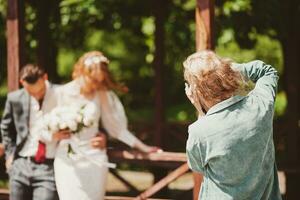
(34,102)
(225,104)
(47,88)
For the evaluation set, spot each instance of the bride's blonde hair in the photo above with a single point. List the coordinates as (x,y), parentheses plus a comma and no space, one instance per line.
(212,77)
(85,67)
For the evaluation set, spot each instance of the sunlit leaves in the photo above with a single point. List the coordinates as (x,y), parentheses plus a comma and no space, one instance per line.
(148,26)
(236,6)
(280,104)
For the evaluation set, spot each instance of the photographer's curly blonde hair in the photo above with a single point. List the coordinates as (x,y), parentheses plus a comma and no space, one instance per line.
(85,67)
(212,77)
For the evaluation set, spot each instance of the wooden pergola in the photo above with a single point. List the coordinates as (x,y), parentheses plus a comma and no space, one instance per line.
(204,16)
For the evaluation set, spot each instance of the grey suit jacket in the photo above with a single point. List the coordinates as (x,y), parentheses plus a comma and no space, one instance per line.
(15,121)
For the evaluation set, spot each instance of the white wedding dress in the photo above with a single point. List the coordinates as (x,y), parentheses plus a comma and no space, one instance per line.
(77,178)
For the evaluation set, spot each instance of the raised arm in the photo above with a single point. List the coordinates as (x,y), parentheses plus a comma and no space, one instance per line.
(114,121)
(8,129)
(264,76)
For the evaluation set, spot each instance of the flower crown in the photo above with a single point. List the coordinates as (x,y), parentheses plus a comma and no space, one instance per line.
(95,60)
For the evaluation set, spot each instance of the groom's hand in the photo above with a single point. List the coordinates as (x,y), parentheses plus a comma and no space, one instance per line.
(60,135)
(99,141)
(8,162)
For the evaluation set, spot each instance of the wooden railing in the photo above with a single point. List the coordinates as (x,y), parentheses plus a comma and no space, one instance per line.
(170,160)
(162,159)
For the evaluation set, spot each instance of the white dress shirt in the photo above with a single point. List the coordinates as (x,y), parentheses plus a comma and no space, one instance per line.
(31,144)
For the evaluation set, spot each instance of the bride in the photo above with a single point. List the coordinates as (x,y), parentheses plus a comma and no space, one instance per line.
(76,176)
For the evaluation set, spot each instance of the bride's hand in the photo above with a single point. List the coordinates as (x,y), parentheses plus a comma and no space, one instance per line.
(152,149)
(146,148)
(99,141)
(61,135)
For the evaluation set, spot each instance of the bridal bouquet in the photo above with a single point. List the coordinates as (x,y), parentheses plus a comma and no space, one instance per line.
(72,117)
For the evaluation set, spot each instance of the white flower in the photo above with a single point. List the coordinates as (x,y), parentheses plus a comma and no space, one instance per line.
(63,125)
(78,118)
(87,121)
(54,124)
(72,125)
(72,117)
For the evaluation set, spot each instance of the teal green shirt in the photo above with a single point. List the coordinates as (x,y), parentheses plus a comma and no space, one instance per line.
(232,145)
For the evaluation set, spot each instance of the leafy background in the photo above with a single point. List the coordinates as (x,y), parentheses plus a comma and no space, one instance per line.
(124,31)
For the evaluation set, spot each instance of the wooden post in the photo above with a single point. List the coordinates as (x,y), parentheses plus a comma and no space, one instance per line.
(204,24)
(13,44)
(159,14)
(22,32)
(204,40)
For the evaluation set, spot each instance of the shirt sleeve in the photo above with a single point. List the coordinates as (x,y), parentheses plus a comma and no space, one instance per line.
(195,153)
(8,129)
(113,118)
(195,158)
(264,76)
(44,135)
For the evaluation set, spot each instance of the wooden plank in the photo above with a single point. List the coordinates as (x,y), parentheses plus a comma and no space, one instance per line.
(163,182)
(4,194)
(4,191)
(198,178)
(126,198)
(137,155)
(163,159)
(204,24)
(13,44)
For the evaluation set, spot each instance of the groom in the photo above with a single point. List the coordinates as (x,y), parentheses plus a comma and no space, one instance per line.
(30,162)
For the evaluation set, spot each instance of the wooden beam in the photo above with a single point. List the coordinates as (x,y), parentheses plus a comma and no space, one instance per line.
(4,194)
(159,12)
(168,160)
(204,40)
(22,33)
(13,44)
(163,182)
(126,198)
(198,178)
(137,155)
(204,24)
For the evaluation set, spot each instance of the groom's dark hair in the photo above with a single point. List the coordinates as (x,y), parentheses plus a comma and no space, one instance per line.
(31,73)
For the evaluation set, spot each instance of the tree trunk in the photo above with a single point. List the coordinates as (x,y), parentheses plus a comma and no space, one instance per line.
(47,17)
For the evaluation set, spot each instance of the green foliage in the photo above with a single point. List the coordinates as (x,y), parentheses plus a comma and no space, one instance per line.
(280,104)
(124,32)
